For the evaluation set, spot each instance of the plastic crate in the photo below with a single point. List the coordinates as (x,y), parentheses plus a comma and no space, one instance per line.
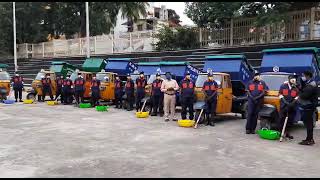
(186,123)
(269,134)
(85,105)
(102,108)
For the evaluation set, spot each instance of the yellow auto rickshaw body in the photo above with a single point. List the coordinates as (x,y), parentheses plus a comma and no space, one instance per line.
(37,84)
(5,81)
(107,85)
(224,98)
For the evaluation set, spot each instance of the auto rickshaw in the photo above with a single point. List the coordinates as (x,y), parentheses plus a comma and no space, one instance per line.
(37,84)
(4,82)
(107,85)
(276,66)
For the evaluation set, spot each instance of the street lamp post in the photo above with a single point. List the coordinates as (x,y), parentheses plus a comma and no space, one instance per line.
(14,38)
(87,30)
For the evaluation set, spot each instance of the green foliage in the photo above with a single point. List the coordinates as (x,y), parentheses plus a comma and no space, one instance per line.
(176,39)
(208,14)
(36,20)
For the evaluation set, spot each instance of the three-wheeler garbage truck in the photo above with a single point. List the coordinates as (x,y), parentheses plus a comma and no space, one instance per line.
(232,73)
(4,82)
(276,66)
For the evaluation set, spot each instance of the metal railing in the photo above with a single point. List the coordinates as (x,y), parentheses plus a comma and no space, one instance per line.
(299,26)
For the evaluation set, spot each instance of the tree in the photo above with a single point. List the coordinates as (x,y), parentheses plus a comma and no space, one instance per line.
(176,39)
(207,14)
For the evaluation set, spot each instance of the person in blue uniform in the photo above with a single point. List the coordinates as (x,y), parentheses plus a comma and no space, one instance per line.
(95,91)
(187,97)
(118,92)
(59,82)
(141,83)
(67,90)
(288,95)
(17,84)
(46,87)
(256,90)
(210,88)
(129,89)
(79,88)
(157,95)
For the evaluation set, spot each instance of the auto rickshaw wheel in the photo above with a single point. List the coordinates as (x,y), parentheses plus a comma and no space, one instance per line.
(31,96)
(201,121)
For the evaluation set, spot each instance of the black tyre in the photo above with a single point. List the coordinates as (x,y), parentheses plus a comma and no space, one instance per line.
(31,96)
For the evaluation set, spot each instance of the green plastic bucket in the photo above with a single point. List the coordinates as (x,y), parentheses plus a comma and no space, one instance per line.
(85,105)
(269,134)
(102,108)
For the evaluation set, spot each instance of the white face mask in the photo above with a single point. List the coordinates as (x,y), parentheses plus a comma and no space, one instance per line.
(303,78)
(68,77)
(48,76)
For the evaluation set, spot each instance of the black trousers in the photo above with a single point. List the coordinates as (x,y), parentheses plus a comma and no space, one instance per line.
(95,97)
(130,100)
(17,93)
(284,112)
(79,96)
(211,105)
(140,96)
(59,93)
(67,96)
(307,118)
(118,99)
(187,103)
(252,118)
(46,90)
(157,103)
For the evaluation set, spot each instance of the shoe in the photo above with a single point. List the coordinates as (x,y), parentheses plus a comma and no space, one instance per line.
(248,132)
(16,100)
(289,136)
(307,142)
(20,100)
(211,123)
(161,115)
(174,119)
(117,107)
(253,132)
(153,114)
(166,120)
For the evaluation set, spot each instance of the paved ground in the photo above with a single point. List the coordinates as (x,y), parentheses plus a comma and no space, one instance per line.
(38,140)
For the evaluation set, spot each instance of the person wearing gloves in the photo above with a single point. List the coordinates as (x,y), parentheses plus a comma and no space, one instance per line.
(79,88)
(288,95)
(59,82)
(141,83)
(187,97)
(129,89)
(210,88)
(157,95)
(307,102)
(67,90)
(46,87)
(17,84)
(118,92)
(95,91)
(169,88)
(256,90)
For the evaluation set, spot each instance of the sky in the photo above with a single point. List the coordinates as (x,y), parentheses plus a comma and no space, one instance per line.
(179,7)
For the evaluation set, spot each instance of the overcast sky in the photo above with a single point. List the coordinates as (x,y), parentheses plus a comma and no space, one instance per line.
(179,7)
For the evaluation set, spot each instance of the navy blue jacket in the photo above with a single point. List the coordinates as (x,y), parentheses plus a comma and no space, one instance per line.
(129,87)
(156,87)
(141,84)
(210,87)
(187,88)
(288,94)
(118,86)
(256,90)
(17,82)
(79,84)
(46,82)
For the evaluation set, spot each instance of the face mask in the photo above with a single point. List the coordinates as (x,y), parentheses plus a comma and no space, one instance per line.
(141,76)
(188,77)
(210,78)
(158,77)
(68,77)
(94,78)
(292,81)
(48,76)
(303,78)
(17,74)
(42,76)
(257,78)
(168,77)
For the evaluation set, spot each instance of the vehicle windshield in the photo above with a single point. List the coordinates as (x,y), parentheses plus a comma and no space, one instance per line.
(153,77)
(56,68)
(103,77)
(39,75)
(74,76)
(274,81)
(203,77)
(4,76)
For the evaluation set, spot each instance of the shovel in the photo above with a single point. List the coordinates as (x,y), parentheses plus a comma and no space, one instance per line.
(283,129)
(196,125)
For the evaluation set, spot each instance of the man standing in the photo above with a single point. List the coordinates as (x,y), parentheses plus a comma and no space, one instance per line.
(67,90)
(157,95)
(288,94)
(307,104)
(95,91)
(17,83)
(118,92)
(129,89)
(256,91)
(79,88)
(187,97)
(210,88)
(46,87)
(169,87)
(141,83)
(59,81)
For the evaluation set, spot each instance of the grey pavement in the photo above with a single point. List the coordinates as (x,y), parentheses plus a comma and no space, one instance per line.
(38,140)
